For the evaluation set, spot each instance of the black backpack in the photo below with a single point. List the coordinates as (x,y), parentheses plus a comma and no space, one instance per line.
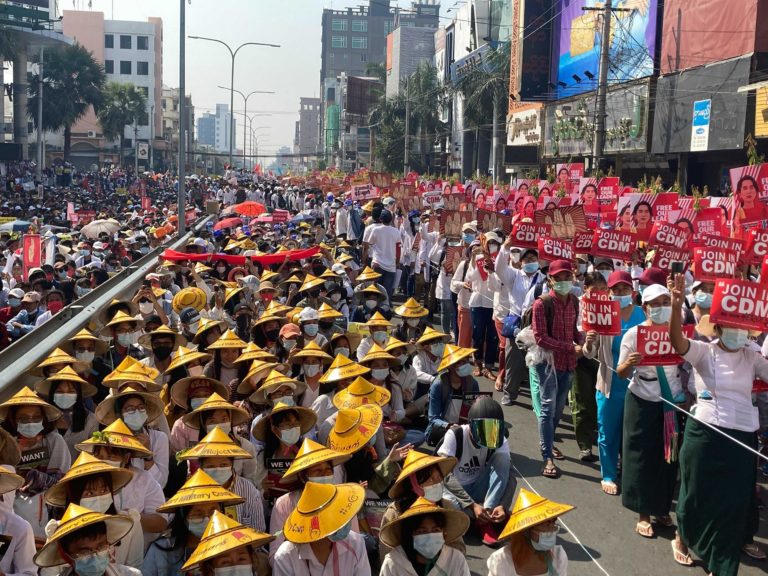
(527,318)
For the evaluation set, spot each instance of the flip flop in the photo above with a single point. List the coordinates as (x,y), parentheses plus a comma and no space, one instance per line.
(645,529)
(679,557)
(609,488)
(550,471)
(556,454)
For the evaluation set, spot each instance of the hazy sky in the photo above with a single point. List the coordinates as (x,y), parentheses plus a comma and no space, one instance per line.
(291,71)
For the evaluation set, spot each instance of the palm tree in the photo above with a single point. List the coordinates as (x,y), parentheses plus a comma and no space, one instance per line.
(388,116)
(72,82)
(123,104)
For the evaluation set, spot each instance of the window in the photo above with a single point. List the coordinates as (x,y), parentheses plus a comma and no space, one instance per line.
(388,26)
(142,42)
(125,42)
(125,66)
(338,25)
(363,57)
(359,25)
(360,42)
(127,143)
(109,41)
(142,68)
(331,57)
(339,42)
(109,66)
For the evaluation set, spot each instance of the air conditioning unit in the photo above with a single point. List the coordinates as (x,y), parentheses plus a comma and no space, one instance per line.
(91,133)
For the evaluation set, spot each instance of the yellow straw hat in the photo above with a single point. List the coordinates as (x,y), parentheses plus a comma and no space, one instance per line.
(266,287)
(230,293)
(311,350)
(343,368)
(311,453)
(207,324)
(307,419)
(192,297)
(310,282)
(131,370)
(9,449)
(145,340)
(393,344)
(322,510)
(100,346)
(274,381)
(75,518)
(531,509)
(378,320)
(354,427)
(9,481)
(267,317)
(257,372)
(326,312)
(86,465)
(25,397)
(230,340)
(329,274)
(122,318)
(184,356)
(292,280)
(216,443)
(452,354)
(108,313)
(368,274)
(201,268)
(353,339)
(430,334)
(411,309)
(416,461)
(237,415)
(368,206)
(267,275)
(372,289)
(456,522)
(252,352)
(276,309)
(184,387)
(222,535)
(57,357)
(344,258)
(378,353)
(116,435)
(360,393)
(66,374)
(106,413)
(200,489)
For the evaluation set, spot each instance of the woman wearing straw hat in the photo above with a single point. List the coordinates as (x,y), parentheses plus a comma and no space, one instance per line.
(312,361)
(123,330)
(224,366)
(192,507)
(93,484)
(313,463)
(418,538)
(318,533)
(160,344)
(378,332)
(56,361)
(18,558)
(81,544)
(403,377)
(344,343)
(216,454)
(208,331)
(327,318)
(187,362)
(266,332)
(45,456)
(430,351)
(340,374)
(276,388)
(189,394)
(532,532)
(412,316)
(85,347)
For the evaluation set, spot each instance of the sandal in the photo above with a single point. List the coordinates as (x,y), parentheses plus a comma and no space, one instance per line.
(556,454)
(550,471)
(665,520)
(684,559)
(645,529)
(753,551)
(609,487)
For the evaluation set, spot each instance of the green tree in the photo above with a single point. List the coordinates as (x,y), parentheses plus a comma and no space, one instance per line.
(72,82)
(123,104)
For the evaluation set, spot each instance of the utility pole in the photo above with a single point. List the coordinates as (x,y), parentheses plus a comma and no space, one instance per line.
(407,129)
(39,168)
(181,200)
(135,148)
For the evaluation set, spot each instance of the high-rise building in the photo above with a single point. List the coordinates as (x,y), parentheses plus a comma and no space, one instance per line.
(407,48)
(171,118)
(306,141)
(214,129)
(206,129)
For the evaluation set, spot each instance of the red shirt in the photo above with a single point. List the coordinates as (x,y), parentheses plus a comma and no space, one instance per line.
(564,331)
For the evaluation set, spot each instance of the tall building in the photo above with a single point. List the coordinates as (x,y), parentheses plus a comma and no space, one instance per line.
(214,129)
(206,129)
(306,140)
(407,48)
(171,121)
(131,52)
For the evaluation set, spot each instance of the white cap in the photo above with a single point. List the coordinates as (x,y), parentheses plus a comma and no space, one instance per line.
(16,293)
(307,314)
(654,291)
(338,269)
(493,237)
(98,245)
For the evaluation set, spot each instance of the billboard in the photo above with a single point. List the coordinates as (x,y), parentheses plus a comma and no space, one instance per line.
(761,113)
(632,43)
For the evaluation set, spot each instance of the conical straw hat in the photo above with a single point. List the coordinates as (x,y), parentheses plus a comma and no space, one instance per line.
(307,419)
(116,435)
(368,274)
(277,309)
(411,309)
(326,312)
(258,371)
(9,481)
(310,282)
(354,427)
(452,354)
(201,268)
(311,453)
(86,465)
(230,293)
(227,340)
(322,510)
(180,393)
(85,334)
(274,381)
(531,509)
(378,320)
(205,325)
(122,318)
(131,370)
(222,535)
(430,334)
(311,350)
(360,393)
(215,443)
(106,412)
(26,397)
(416,461)
(199,489)
(58,356)
(342,368)
(393,344)
(253,352)
(376,352)
(237,415)
(66,374)
(184,356)
(456,522)
(145,340)
(373,289)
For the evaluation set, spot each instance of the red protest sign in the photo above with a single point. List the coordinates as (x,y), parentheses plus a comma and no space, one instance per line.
(600,314)
(709,264)
(280,215)
(32,253)
(551,249)
(526,234)
(402,190)
(488,221)
(582,242)
(613,244)
(733,244)
(654,345)
(664,256)
(380,179)
(739,304)
(666,234)
(146,202)
(757,246)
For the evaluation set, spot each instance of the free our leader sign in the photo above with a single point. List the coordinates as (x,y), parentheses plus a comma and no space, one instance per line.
(740,304)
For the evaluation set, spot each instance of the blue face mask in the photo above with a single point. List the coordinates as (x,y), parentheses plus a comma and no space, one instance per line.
(547,541)
(93,564)
(197,527)
(341,533)
(30,430)
(530,267)
(703,300)
(468,238)
(311,330)
(734,338)
(417,221)
(660,314)
(464,370)
(14,302)
(624,301)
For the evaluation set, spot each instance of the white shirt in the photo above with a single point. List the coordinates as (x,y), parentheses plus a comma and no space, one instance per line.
(142,494)
(451,562)
(457,284)
(473,459)
(17,560)
(644,382)
(425,367)
(158,443)
(482,291)
(384,241)
(516,282)
(347,558)
(500,563)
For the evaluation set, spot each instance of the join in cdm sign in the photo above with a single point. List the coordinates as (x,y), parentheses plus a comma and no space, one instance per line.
(24,14)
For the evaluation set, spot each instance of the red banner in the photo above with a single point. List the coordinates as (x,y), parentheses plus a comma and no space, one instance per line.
(710,264)
(32,253)
(654,345)
(146,202)
(582,242)
(552,249)
(526,234)
(664,256)
(757,246)
(266,259)
(613,244)
(280,215)
(740,304)
(403,190)
(600,314)
(666,234)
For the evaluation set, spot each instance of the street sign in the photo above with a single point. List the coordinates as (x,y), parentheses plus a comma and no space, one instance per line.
(702,111)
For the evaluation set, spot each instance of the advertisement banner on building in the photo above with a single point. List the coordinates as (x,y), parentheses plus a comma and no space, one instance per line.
(702,111)
(524,128)
(143,151)
(761,112)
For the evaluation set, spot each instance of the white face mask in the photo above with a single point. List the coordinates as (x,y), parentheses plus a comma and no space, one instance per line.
(335,298)
(87,356)
(342,350)
(146,308)
(65,401)
(195,371)
(226,427)
(239,570)
(413,322)
(290,436)
(546,541)
(433,493)
(371,304)
(125,339)
(311,370)
(380,337)
(115,463)
(428,545)
(321,479)
(221,475)
(379,373)
(98,504)
(289,345)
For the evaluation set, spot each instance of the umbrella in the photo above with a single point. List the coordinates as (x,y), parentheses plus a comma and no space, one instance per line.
(15,226)
(250,208)
(92,230)
(227,223)
(303,218)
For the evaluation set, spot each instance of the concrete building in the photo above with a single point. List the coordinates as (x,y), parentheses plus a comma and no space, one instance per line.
(206,129)
(407,48)
(214,129)
(131,52)
(171,121)
(306,139)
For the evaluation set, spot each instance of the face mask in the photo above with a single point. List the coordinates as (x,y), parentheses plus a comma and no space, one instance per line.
(144,249)
(624,301)
(437,349)
(379,373)
(272,335)
(221,475)
(402,358)
(81,291)
(55,307)
(193,327)
(98,504)
(311,370)
(468,238)
(734,338)
(582,269)
(220,269)
(413,322)
(162,352)
(311,330)
(321,479)
(195,371)
(14,302)
(428,545)
(124,339)
(371,304)
(341,533)
(146,308)
(115,463)
(379,337)
(93,564)
(562,288)
(226,427)
(197,527)
(287,400)
(195,403)
(63,275)
(291,436)
(342,350)
(605,274)
(433,493)
(464,370)
(64,401)
(30,430)
(267,297)
(515,257)
(703,300)
(136,420)
(335,298)
(546,541)
(660,315)
(530,267)
(85,252)
(416,221)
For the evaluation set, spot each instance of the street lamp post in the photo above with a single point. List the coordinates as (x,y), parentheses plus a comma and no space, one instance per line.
(249,120)
(245,110)
(232,53)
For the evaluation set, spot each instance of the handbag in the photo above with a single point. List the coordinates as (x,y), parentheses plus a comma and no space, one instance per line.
(510,325)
